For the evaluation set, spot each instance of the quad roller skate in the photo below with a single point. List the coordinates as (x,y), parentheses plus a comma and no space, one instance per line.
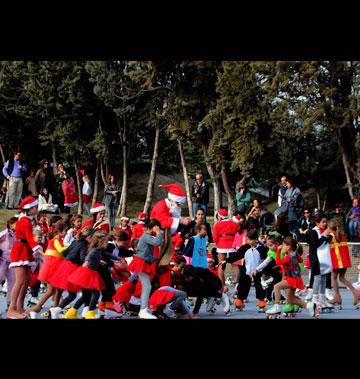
(274,312)
(261,306)
(113,311)
(290,310)
(32,301)
(211,305)
(239,304)
(225,301)
(133,310)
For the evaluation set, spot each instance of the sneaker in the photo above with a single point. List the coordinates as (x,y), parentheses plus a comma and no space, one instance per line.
(145,314)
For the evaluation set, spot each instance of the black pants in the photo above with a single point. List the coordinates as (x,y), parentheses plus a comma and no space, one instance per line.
(328,280)
(245,284)
(68,299)
(275,273)
(90,297)
(109,291)
(34,291)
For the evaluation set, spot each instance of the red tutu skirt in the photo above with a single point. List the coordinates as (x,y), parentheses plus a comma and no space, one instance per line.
(295,283)
(86,199)
(61,276)
(49,267)
(139,265)
(160,298)
(123,293)
(86,278)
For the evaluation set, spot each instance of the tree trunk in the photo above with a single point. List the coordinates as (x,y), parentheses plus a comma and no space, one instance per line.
(107,168)
(96,182)
(151,183)
(78,183)
(124,191)
(186,178)
(2,154)
(318,200)
(214,179)
(228,191)
(349,184)
(324,204)
(53,152)
(102,171)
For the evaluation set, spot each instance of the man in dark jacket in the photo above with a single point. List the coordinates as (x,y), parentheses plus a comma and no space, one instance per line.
(200,194)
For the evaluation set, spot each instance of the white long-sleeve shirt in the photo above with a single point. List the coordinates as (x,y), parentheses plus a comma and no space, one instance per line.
(86,189)
(252,260)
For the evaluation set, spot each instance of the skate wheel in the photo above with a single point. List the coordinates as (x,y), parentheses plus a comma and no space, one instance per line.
(279,316)
(46,314)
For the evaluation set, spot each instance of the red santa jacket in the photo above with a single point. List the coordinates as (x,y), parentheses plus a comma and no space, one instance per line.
(162,213)
(68,187)
(224,234)
(24,246)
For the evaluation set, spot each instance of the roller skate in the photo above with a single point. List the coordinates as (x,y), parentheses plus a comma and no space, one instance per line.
(72,313)
(146,314)
(43,288)
(112,311)
(336,302)
(317,306)
(326,307)
(210,306)
(225,301)
(261,306)
(239,304)
(55,312)
(309,294)
(3,290)
(91,315)
(133,310)
(329,294)
(290,310)
(45,314)
(274,312)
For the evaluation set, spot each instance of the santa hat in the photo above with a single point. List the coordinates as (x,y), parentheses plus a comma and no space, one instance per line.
(98,207)
(210,258)
(28,203)
(236,219)
(223,213)
(125,218)
(142,216)
(176,193)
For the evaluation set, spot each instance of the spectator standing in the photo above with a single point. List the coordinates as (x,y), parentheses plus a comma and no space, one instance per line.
(59,178)
(200,194)
(293,204)
(243,199)
(111,199)
(86,194)
(44,177)
(30,185)
(14,171)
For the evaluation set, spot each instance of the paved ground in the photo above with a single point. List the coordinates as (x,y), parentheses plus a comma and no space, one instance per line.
(250,311)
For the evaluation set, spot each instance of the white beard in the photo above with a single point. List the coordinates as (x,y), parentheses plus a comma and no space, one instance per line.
(175,211)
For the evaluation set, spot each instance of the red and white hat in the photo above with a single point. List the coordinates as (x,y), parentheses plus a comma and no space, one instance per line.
(98,207)
(176,193)
(236,219)
(28,202)
(125,218)
(210,258)
(142,216)
(223,213)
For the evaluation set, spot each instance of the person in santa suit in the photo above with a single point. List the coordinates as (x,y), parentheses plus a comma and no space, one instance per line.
(22,256)
(168,212)
(139,228)
(98,221)
(125,227)
(223,235)
(68,187)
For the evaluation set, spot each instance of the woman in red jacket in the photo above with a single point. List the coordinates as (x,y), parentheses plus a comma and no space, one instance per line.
(22,256)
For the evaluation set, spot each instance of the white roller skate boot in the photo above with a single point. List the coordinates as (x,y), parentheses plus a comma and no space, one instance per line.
(4,289)
(225,301)
(84,312)
(33,315)
(145,314)
(54,312)
(329,294)
(274,310)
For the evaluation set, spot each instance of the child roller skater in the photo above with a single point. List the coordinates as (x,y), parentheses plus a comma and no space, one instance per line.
(196,247)
(22,257)
(142,262)
(291,279)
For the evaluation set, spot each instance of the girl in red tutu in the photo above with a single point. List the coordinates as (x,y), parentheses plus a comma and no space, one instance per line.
(340,258)
(52,258)
(88,278)
(74,257)
(22,258)
(142,262)
(291,277)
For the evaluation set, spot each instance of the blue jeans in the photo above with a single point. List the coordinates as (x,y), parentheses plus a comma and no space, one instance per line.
(197,206)
(111,210)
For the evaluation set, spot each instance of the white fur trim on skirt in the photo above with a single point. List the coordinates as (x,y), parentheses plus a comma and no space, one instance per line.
(225,251)
(70,205)
(22,263)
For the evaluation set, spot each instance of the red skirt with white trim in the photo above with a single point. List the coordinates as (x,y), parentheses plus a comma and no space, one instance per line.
(295,283)
(139,265)
(86,199)
(61,276)
(86,278)
(160,298)
(49,267)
